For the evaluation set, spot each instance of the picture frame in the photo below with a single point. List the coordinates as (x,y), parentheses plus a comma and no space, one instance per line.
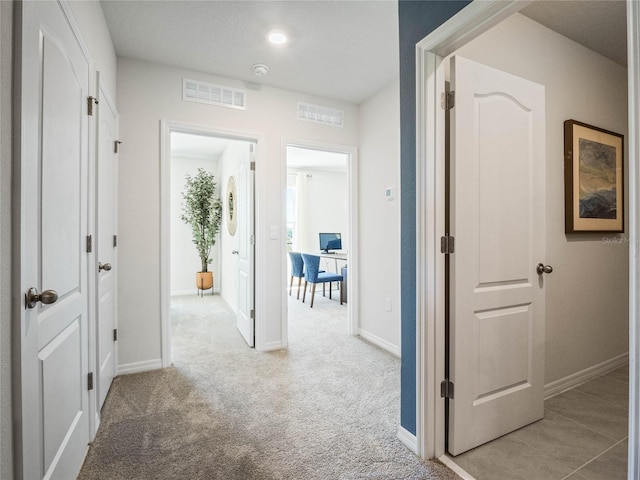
(594,179)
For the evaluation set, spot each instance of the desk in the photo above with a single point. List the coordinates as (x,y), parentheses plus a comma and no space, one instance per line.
(335,256)
(343,271)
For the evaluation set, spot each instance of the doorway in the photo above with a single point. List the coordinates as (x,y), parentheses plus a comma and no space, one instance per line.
(230,158)
(321,198)
(431,67)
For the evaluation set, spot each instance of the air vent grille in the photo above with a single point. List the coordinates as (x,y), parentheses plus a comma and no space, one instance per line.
(211,94)
(320,114)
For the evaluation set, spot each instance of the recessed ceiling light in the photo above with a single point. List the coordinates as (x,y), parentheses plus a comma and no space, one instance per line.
(277,37)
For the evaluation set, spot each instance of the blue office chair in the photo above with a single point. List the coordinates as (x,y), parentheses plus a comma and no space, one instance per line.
(297,270)
(313,276)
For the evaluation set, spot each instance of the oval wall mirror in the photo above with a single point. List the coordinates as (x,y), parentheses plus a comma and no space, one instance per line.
(231,206)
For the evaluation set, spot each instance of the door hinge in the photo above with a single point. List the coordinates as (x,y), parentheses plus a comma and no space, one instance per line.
(90,102)
(90,381)
(115,241)
(89,244)
(252,165)
(252,314)
(115,334)
(446,389)
(116,145)
(448,100)
(252,240)
(447,244)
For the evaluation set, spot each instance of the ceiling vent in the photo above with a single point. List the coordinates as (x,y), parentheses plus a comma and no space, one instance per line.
(320,114)
(211,94)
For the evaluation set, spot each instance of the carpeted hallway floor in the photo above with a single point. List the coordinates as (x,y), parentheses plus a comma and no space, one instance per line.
(326,408)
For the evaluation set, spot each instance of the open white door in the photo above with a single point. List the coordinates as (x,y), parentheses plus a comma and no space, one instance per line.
(246,247)
(53,151)
(106,242)
(497,219)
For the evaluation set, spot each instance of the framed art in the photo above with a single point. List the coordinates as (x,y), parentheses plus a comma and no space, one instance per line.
(593,179)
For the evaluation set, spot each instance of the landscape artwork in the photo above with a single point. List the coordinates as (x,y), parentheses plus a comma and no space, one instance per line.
(593,179)
(597,180)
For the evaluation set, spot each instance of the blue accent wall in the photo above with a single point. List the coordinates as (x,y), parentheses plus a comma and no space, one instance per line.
(416,20)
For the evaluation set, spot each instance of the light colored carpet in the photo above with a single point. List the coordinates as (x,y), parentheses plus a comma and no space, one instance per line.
(326,408)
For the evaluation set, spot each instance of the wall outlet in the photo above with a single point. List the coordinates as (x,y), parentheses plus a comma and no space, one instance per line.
(387,304)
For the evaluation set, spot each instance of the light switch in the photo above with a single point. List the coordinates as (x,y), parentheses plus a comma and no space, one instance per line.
(389,193)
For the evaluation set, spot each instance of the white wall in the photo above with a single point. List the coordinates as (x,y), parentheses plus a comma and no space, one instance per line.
(380,218)
(148,93)
(229,166)
(185,261)
(587,293)
(323,203)
(97,38)
(6,444)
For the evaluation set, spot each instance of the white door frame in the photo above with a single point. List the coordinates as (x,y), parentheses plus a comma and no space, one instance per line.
(166,127)
(352,248)
(470,22)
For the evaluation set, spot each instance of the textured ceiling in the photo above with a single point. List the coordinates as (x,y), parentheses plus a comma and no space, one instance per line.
(598,25)
(344,50)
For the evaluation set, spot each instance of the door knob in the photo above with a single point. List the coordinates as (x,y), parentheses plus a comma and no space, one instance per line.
(104,266)
(542,268)
(32,297)
(234,252)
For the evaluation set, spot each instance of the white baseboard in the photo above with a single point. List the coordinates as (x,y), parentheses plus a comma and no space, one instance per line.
(567,383)
(176,293)
(380,342)
(451,463)
(271,346)
(137,367)
(408,439)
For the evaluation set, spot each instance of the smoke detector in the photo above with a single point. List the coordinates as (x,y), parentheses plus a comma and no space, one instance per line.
(260,69)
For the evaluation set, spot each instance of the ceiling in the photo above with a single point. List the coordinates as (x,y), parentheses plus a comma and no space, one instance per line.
(598,25)
(344,50)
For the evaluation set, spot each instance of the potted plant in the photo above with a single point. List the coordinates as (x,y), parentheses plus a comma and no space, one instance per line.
(203,211)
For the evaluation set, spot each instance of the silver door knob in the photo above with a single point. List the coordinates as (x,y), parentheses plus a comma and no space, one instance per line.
(234,252)
(542,268)
(104,266)
(32,297)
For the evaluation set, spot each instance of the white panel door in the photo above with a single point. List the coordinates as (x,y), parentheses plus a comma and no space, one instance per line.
(246,247)
(53,149)
(106,243)
(497,218)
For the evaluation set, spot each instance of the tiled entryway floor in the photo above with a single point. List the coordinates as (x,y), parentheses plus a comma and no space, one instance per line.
(583,436)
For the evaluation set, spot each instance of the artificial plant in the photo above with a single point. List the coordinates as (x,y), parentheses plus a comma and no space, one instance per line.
(203,211)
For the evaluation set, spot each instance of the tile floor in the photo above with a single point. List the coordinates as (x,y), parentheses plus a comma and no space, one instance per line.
(583,436)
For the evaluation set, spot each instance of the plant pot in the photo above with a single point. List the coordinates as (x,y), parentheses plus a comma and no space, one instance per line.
(204,280)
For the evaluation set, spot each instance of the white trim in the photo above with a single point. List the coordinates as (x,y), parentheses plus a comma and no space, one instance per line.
(473,20)
(176,293)
(166,127)
(380,342)
(353,310)
(137,367)
(633,72)
(451,463)
(578,378)
(408,439)
(272,346)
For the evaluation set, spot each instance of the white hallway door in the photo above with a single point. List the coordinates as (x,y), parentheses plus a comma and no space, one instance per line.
(497,207)
(246,246)
(106,242)
(53,148)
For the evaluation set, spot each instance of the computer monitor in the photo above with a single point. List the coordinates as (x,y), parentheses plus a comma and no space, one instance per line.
(330,241)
